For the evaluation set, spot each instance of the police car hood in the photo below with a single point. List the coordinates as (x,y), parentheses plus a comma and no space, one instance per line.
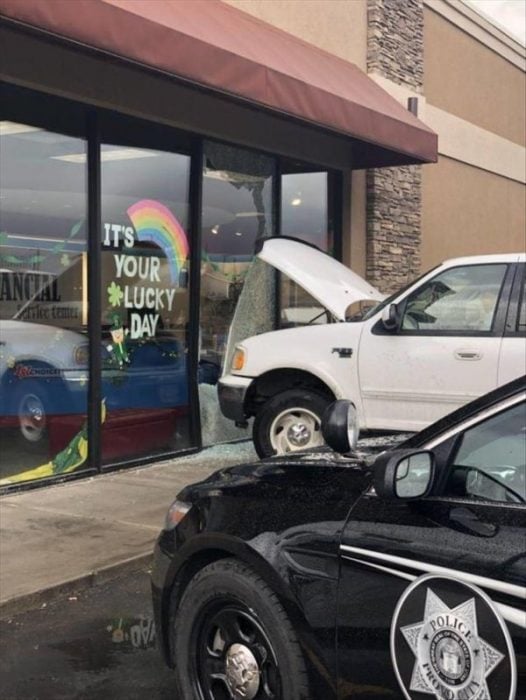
(332,284)
(314,473)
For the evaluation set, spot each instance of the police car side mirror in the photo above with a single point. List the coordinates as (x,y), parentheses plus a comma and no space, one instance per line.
(340,427)
(404,474)
(391,317)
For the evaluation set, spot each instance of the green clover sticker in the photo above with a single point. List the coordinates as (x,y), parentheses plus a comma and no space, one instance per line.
(115,294)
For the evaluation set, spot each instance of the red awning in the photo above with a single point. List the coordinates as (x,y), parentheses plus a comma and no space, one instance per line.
(216,46)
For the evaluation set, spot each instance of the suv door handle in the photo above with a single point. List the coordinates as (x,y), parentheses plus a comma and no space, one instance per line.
(468,354)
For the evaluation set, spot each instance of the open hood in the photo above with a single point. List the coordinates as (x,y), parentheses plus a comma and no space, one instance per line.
(332,284)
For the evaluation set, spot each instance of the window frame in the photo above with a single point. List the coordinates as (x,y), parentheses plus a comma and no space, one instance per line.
(445,448)
(516,303)
(485,473)
(499,316)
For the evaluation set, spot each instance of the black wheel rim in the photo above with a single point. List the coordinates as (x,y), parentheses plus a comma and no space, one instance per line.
(223,627)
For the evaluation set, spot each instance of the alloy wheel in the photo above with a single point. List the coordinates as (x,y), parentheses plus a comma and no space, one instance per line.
(234,656)
(294,429)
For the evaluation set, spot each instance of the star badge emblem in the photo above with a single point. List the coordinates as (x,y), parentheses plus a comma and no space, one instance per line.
(451,659)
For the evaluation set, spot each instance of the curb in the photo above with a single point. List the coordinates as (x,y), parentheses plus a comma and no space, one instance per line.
(39,599)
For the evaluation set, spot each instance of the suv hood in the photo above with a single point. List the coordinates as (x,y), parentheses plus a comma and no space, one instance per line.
(332,284)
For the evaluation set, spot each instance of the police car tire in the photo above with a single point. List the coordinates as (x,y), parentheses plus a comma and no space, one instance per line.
(235,581)
(292,398)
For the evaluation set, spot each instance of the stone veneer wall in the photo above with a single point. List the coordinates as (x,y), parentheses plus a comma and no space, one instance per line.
(395,49)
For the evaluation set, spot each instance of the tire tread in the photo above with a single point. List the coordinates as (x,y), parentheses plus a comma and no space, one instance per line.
(239,570)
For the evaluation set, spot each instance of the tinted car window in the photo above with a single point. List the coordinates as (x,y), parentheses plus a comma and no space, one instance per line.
(490,462)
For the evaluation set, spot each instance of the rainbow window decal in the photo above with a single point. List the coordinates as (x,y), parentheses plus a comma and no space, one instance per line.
(155,223)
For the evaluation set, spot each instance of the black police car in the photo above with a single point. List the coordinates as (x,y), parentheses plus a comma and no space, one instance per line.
(322,575)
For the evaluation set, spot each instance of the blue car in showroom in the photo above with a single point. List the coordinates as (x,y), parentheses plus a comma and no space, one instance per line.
(355,573)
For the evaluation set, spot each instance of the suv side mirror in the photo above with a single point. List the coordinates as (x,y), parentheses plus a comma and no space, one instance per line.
(404,474)
(391,317)
(339,426)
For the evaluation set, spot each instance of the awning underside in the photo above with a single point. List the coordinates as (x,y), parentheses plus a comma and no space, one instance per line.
(220,48)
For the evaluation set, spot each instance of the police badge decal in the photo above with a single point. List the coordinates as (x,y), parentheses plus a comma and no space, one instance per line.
(449,641)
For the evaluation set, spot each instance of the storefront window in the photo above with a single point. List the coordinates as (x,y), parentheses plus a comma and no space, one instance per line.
(237,209)
(44,348)
(135,297)
(304,215)
(145,302)
(305,208)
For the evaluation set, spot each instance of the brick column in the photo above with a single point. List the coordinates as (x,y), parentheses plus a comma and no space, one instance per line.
(395,49)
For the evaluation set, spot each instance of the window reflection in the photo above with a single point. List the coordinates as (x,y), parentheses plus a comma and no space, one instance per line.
(44,348)
(298,307)
(491,459)
(305,208)
(304,215)
(145,302)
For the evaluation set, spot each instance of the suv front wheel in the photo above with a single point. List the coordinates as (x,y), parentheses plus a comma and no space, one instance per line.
(288,422)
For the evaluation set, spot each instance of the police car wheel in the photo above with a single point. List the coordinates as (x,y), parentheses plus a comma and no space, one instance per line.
(231,638)
(288,422)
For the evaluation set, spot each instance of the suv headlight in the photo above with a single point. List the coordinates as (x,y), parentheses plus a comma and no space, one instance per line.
(81,354)
(340,427)
(238,361)
(177,512)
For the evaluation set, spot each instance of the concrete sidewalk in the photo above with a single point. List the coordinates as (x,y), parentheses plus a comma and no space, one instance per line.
(59,538)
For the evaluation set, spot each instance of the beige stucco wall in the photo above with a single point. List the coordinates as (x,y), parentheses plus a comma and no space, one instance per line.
(468,79)
(337,26)
(469,211)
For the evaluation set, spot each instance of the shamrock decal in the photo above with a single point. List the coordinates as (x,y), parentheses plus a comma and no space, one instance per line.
(115,294)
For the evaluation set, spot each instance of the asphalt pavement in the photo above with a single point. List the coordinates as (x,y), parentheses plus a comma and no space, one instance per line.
(58,538)
(92,644)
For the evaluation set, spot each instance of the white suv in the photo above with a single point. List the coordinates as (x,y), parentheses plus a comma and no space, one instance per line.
(452,335)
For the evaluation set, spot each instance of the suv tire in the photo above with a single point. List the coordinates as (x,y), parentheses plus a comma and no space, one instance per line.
(289,421)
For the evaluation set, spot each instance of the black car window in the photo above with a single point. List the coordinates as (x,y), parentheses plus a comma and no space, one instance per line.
(461,299)
(490,461)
